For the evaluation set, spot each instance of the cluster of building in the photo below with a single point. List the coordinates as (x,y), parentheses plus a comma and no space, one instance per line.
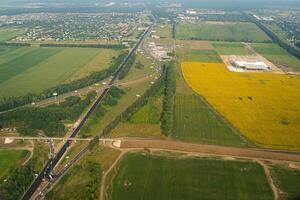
(77,26)
(159,52)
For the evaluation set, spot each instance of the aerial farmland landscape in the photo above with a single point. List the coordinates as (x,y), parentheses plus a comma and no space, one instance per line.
(150,100)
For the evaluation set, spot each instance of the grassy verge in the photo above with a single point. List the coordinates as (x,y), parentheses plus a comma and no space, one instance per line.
(22,176)
(10,159)
(82,181)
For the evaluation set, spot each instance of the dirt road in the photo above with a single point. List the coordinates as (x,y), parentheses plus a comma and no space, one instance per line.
(252,153)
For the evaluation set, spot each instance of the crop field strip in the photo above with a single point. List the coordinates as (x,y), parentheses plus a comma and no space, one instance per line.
(195,121)
(141,176)
(278,55)
(227,31)
(9,33)
(41,68)
(242,98)
(229,48)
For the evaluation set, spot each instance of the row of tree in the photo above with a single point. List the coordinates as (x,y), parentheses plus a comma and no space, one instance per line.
(281,42)
(111,99)
(13,102)
(127,67)
(12,44)
(106,46)
(168,100)
(49,120)
(141,101)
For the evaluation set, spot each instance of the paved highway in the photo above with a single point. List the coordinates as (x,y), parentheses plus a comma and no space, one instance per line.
(46,172)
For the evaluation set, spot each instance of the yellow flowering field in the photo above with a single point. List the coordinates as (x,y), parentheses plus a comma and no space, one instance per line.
(264,107)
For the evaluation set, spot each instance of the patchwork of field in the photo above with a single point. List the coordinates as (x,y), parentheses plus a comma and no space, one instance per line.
(238,31)
(7,34)
(264,107)
(10,159)
(201,56)
(138,87)
(140,176)
(195,121)
(278,56)
(31,69)
(230,48)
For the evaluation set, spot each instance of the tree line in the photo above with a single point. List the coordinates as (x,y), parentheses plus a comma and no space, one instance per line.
(13,102)
(106,46)
(111,99)
(281,42)
(168,100)
(133,108)
(48,120)
(127,67)
(12,44)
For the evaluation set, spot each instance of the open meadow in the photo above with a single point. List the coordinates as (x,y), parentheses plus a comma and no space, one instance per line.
(163,30)
(145,122)
(10,33)
(264,107)
(278,56)
(223,31)
(230,48)
(10,159)
(34,69)
(164,176)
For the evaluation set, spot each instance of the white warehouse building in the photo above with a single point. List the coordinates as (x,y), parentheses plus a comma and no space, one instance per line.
(246,65)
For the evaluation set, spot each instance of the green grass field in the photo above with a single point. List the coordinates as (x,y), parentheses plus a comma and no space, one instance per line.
(164,30)
(82,181)
(9,33)
(287,180)
(152,177)
(145,122)
(10,159)
(149,113)
(246,32)
(278,56)
(229,48)
(199,56)
(31,70)
(195,121)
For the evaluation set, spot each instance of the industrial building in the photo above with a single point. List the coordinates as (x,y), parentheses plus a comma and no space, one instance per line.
(247,65)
